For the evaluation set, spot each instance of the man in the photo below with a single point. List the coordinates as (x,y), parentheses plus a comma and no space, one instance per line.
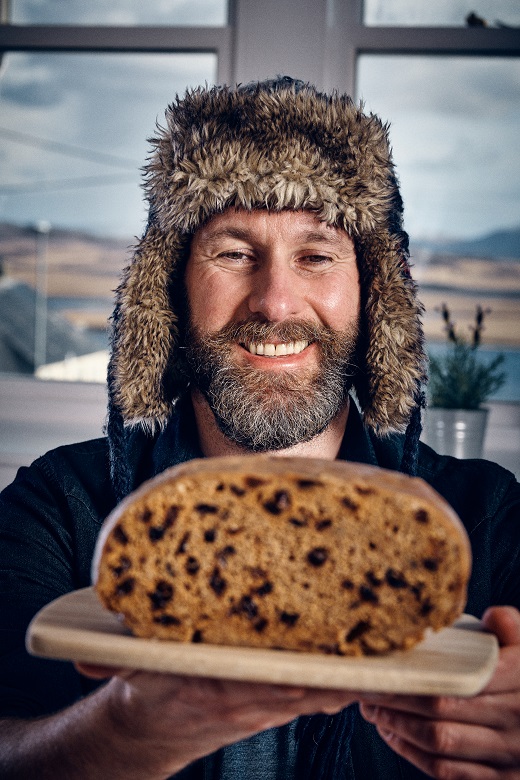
(272,279)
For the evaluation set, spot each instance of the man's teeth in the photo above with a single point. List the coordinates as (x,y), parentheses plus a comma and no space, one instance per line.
(274,350)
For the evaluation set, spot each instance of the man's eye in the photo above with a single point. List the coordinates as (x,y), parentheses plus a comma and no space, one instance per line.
(236,256)
(317,259)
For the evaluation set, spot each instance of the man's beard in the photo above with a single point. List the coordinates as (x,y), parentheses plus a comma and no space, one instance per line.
(264,410)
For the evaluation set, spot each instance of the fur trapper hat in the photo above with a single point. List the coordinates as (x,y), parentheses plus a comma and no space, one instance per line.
(276,145)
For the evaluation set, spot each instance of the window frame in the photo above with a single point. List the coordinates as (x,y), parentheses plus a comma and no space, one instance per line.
(318,41)
(108,39)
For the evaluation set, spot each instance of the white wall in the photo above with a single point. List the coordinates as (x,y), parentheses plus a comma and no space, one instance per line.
(37,415)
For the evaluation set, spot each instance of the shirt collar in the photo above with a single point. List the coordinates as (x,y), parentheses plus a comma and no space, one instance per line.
(356,445)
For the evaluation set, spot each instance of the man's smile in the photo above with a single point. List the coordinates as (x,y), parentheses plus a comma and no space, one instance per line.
(268,349)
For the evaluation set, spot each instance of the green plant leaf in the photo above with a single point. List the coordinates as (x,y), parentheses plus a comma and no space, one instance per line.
(459,380)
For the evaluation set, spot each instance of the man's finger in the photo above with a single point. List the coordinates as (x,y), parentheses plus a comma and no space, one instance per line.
(504,622)
(436,766)
(460,741)
(95,671)
(496,710)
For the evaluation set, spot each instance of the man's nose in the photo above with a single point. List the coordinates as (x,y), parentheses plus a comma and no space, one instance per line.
(276,292)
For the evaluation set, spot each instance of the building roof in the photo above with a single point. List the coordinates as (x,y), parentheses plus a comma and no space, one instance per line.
(17,331)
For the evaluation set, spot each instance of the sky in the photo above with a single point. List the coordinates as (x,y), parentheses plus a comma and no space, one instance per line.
(454,131)
(73,127)
(193,12)
(74,130)
(438,12)
(119,12)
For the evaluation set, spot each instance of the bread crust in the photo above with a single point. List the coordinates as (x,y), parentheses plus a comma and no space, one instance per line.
(289,553)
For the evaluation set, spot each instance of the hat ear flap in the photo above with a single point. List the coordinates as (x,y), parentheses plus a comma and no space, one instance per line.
(392,336)
(145,333)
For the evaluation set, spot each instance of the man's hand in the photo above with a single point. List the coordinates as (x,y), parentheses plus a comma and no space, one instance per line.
(172,720)
(148,726)
(461,739)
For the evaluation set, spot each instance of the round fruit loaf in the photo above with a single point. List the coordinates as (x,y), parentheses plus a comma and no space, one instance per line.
(288,553)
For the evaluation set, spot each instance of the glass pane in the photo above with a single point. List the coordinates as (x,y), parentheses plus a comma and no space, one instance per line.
(441,13)
(454,131)
(73,133)
(121,12)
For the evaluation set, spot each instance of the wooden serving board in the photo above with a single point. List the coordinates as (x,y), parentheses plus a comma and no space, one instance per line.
(456,661)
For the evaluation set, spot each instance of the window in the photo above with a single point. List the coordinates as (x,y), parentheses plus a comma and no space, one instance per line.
(77,105)
(450,87)
(454,127)
(74,130)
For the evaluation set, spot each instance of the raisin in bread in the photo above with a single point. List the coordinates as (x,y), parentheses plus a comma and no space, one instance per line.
(292,553)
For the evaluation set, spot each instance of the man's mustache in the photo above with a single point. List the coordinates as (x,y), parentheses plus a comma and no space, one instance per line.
(254,331)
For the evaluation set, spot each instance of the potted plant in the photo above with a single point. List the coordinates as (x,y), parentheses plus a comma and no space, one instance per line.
(460,383)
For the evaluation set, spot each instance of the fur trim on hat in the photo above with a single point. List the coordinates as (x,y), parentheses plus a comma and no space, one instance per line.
(276,145)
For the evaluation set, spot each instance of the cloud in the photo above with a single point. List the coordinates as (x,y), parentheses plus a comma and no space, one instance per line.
(27,85)
(439,13)
(455,85)
(108,103)
(454,126)
(120,12)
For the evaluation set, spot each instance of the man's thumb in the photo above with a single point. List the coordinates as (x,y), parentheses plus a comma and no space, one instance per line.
(504,622)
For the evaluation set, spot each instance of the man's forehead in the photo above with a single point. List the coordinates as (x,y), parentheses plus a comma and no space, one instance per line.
(237,223)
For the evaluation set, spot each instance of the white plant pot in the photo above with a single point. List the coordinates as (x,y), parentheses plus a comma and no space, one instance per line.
(458,432)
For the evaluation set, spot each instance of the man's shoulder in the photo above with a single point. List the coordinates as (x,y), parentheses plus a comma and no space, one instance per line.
(78,458)
(90,447)
(78,472)
(435,467)
(475,488)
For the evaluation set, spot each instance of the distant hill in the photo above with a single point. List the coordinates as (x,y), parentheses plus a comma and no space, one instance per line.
(79,264)
(503,244)
(10,232)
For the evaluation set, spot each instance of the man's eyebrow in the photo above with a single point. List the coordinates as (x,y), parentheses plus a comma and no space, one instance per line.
(228,232)
(242,234)
(316,236)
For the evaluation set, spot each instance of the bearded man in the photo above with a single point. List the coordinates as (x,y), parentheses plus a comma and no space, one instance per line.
(273,355)
(269,307)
